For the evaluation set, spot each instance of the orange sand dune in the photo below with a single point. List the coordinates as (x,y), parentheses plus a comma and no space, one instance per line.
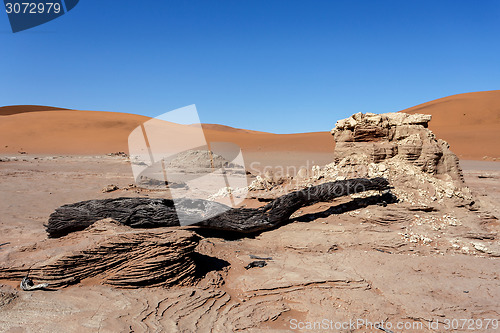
(469,122)
(96,132)
(67,132)
(14,109)
(217,127)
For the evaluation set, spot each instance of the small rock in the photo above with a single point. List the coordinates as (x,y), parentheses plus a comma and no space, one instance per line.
(110,188)
(257,263)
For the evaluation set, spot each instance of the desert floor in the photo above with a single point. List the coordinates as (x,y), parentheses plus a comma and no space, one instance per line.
(332,267)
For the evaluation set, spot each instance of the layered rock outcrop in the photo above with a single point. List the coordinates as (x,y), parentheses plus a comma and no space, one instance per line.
(110,254)
(397,146)
(374,138)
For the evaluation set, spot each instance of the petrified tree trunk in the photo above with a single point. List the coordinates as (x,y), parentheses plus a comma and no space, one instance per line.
(150,213)
(119,256)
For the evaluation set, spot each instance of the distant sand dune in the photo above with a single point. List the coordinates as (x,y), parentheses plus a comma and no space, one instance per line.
(469,122)
(67,132)
(15,109)
(97,132)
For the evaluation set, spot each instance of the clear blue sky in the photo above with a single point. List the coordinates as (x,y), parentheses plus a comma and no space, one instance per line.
(277,66)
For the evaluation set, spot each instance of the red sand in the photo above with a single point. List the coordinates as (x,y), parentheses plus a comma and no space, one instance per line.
(96,132)
(469,122)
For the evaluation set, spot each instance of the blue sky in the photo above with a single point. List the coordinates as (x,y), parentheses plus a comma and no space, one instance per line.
(277,66)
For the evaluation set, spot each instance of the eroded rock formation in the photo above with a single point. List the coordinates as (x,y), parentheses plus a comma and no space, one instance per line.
(111,254)
(102,240)
(374,138)
(399,147)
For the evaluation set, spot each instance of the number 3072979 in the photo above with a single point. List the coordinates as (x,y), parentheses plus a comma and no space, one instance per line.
(33,8)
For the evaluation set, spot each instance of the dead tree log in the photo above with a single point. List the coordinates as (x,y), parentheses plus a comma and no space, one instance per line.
(150,213)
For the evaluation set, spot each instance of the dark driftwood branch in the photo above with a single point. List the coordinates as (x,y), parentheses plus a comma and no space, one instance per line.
(150,213)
